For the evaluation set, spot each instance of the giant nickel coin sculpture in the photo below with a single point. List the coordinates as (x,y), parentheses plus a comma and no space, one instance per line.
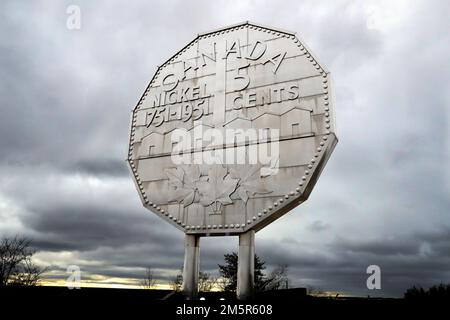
(231,133)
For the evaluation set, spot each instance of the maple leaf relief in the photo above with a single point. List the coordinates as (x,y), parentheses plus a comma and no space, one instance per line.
(216,190)
(249,181)
(184,183)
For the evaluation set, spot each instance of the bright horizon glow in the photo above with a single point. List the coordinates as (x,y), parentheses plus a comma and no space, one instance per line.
(105,284)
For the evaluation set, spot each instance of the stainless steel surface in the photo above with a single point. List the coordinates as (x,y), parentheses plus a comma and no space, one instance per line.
(241,77)
(191,266)
(246,266)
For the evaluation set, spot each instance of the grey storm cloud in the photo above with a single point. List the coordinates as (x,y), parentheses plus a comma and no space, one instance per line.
(66,97)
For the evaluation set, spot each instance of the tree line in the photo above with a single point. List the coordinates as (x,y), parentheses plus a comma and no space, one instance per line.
(18,269)
(227,279)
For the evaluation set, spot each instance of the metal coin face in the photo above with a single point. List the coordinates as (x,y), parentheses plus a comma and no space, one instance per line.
(233,131)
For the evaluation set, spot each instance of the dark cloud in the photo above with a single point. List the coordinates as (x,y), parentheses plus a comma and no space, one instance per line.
(100,167)
(318,226)
(88,228)
(66,98)
(404,261)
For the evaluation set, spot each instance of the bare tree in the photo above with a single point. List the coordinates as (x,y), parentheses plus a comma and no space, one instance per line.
(149,281)
(223,283)
(277,279)
(16,265)
(206,282)
(177,282)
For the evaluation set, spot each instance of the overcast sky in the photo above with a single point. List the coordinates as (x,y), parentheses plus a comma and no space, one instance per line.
(383,199)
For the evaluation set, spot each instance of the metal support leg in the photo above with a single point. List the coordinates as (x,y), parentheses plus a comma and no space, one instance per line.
(246,266)
(191,266)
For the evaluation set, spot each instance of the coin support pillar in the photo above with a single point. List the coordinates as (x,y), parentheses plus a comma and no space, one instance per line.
(191,266)
(246,266)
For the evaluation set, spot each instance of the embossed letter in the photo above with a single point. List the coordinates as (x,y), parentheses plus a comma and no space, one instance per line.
(275,61)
